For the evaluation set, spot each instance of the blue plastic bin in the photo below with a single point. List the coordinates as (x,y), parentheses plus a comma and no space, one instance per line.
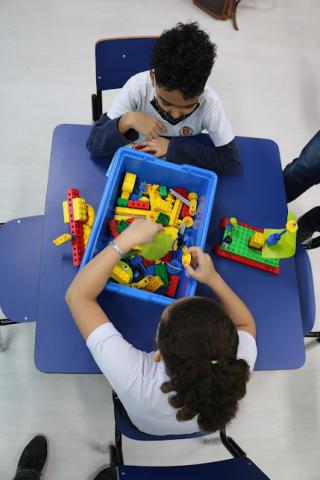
(148,168)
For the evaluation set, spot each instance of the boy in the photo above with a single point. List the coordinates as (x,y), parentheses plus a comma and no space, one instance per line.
(160,108)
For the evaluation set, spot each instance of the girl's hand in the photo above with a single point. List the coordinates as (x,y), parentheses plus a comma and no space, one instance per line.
(201,268)
(158,146)
(138,233)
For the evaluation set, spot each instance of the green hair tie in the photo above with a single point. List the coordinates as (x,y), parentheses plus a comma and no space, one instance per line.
(214,362)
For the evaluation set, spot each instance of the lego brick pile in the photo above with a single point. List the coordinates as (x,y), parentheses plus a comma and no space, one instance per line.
(174,209)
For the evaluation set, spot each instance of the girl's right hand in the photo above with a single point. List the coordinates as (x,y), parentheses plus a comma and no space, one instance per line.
(201,267)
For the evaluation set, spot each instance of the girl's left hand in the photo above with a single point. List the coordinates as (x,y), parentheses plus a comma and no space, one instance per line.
(159,146)
(138,233)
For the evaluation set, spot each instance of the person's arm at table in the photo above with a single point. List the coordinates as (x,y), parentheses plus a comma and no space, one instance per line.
(82,294)
(202,269)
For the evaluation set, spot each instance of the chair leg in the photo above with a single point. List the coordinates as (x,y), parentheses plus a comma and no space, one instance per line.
(96,104)
(231,445)
(118,443)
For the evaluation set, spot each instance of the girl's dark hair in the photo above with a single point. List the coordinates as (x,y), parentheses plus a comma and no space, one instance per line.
(183,58)
(195,332)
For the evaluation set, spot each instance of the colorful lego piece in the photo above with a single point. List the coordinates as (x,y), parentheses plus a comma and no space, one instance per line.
(122,202)
(239,250)
(154,284)
(173,285)
(122,225)
(257,241)
(91,215)
(128,185)
(161,270)
(65,237)
(184,211)
(79,209)
(175,213)
(163,219)
(138,204)
(121,275)
(163,191)
(193,197)
(113,228)
(180,197)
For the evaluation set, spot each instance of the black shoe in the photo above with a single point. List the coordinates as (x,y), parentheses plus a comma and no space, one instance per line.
(308,224)
(108,473)
(34,456)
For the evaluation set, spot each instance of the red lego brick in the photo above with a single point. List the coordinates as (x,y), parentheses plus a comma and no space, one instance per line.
(185,212)
(139,205)
(130,220)
(167,258)
(147,263)
(173,285)
(182,191)
(251,263)
(113,228)
(225,220)
(76,229)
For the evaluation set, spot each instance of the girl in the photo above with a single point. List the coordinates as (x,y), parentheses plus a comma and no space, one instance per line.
(195,379)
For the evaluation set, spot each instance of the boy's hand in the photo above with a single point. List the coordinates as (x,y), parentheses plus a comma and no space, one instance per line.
(201,268)
(139,232)
(142,123)
(158,146)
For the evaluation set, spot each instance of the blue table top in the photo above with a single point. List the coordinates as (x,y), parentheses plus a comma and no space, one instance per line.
(255,196)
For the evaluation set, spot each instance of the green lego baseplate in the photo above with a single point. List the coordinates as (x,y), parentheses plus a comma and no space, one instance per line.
(239,246)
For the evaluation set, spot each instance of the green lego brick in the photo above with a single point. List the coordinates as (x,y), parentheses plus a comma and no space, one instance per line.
(240,239)
(122,225)
(163,191)
(161,270)
(122,202)
(163,219)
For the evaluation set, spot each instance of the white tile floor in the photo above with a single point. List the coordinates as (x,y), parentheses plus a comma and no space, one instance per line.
(268,77)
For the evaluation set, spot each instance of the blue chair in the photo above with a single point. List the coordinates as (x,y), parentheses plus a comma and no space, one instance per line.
(306,291)
(20,254)
(117,59)
(239,467)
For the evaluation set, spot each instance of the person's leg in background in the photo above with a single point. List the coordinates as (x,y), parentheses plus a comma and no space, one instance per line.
(33,459)
(303,172)
(299,175)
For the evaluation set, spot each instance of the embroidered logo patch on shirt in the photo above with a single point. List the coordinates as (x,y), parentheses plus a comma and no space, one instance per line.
(185,131)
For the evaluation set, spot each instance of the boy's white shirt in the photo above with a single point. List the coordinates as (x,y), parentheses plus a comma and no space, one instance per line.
(137,379)
(137,93)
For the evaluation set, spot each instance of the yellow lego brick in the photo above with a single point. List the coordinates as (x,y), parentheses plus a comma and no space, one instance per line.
(86,233)
(65,237)
(120,275)
(142,283)
(79,209)
(91,215)
(154,284)
(193,197)
(257,240)
(171,231)
(65,209)
(175,213)
(134,212)
(186,256)
(128,184)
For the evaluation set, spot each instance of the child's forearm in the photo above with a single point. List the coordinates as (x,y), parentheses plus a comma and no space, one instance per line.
(233,305)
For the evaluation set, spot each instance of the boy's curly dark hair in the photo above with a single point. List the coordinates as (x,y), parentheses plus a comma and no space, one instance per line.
(183,58)
(196,331)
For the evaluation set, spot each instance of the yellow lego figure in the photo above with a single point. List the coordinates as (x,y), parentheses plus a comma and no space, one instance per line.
(154,284)
(65,237)
(257,241)
(128,185)
(193,197)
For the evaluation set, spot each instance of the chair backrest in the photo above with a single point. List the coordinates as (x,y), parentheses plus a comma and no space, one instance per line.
(241,468)
(306,289)
(128,429)
(117,59)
